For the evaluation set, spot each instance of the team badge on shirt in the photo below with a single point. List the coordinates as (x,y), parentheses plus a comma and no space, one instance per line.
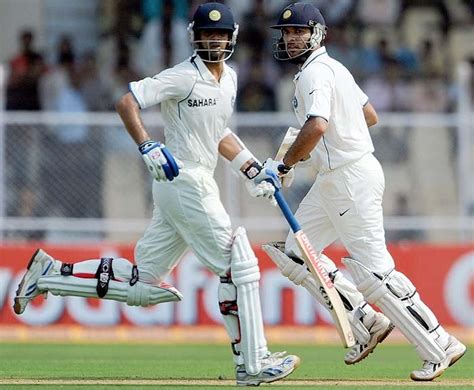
(295,102)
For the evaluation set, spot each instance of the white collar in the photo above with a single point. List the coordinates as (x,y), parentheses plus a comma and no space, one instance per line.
(316,53)
(204,70)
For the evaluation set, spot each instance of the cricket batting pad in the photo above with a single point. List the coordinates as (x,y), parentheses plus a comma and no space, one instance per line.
(398,299)
(245,276)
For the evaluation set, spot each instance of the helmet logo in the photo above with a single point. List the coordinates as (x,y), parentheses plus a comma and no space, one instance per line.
(286,14)
(215,15)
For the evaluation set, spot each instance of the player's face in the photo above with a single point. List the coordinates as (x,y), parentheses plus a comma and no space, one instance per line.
(296,40)
(216,41)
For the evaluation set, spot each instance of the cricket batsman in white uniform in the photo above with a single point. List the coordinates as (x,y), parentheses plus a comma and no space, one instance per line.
(345,201)
(197,98)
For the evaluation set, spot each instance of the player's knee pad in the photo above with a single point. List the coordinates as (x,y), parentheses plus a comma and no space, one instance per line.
(295,270)
(244,263)
(245,275)
(398,299)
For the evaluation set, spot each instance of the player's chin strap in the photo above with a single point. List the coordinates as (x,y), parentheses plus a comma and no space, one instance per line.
(239,302)
(133,292)
(361,315)
(398,299)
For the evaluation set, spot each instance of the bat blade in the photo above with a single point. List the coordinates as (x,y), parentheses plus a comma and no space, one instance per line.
(288,140)
(333,301)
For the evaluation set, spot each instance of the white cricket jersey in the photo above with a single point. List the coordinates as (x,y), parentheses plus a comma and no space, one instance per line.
(195,108)
(325,88)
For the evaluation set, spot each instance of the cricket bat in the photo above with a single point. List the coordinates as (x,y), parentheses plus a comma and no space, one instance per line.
(333,301)
(288,140)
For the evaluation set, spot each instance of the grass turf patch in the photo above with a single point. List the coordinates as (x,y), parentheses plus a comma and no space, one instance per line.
(207,366)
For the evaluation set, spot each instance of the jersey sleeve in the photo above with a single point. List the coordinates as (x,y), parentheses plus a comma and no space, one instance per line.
(169,84)
(317,88)
(224,133)
(363,98)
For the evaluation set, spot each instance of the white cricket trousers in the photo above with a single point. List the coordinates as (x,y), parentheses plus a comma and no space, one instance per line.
(187,212)
(346,203)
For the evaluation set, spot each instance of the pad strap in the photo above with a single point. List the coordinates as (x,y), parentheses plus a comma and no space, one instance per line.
(67,269)
(104,274)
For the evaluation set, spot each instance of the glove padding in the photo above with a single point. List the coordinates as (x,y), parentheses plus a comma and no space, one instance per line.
(159,161)
(285,172)
(264,184)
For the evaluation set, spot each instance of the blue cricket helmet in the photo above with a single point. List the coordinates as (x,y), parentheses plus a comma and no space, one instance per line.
(213,16)
(299,15)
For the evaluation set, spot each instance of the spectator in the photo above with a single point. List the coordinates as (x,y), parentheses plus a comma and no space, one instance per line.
(343,47)
(26,68)
(255,94)
(254,29)
(69,189)
(92,86)
(387,90)
(378,12)
(431,64)
(402,209)
(161,43)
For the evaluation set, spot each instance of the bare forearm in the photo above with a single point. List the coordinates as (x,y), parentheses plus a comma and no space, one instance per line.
(129,112)
(229,147)
(306,141)
(232,148)
(370,115)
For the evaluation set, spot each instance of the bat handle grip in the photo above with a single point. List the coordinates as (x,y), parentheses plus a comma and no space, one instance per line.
(295,226)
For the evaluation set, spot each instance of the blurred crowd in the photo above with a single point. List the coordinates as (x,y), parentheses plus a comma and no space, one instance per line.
(400,51)
(403,53)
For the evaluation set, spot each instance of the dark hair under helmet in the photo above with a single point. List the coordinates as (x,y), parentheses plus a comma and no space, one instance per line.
(300,15)
(213,16)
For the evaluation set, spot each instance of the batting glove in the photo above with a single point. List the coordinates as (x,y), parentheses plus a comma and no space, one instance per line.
(286,173)
(159,161)
(263,182)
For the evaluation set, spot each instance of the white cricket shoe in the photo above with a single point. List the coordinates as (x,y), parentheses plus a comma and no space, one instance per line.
(40,264)
(379,331)
(454,351)
(275,366)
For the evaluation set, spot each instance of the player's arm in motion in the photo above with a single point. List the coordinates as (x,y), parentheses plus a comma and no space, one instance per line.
(370,114)
(249,168)
(309,136)
(312,132)
(158,159)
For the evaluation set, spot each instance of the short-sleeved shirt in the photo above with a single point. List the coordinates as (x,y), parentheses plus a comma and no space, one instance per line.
(325,88)
(194,105)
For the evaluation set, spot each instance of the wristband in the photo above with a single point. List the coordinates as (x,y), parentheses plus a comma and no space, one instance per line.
(284,169)
(242,157)
(252,170)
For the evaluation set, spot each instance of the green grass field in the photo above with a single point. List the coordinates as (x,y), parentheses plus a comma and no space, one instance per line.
(125,366)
